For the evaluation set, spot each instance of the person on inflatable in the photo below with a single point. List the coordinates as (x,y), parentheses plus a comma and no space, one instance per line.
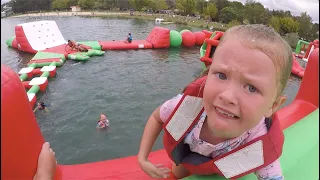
(223,122)
(103,122)
(129,38)
(76,46)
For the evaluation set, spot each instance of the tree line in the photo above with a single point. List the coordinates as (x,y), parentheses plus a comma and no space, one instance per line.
(224,11)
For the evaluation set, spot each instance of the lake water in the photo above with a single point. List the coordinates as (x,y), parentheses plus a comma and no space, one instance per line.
(125,85)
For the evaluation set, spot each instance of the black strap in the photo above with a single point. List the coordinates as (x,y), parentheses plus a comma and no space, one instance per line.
(268,122)
(213,49)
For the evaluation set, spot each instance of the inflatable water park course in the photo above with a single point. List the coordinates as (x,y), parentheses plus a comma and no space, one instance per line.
(213,39)
(21,144)
(44,39)
(304,48)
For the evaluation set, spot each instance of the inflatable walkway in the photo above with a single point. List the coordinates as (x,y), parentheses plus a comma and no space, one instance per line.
(21,143)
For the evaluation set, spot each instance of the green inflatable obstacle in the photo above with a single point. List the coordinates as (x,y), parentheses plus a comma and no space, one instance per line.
(175,38)
(93,44)
(48,55)
(300,156)
(78,56)
(299,46)
(84,56)
(94,52)
(10,40)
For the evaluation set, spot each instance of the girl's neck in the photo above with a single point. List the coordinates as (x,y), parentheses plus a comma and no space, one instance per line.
(209,136)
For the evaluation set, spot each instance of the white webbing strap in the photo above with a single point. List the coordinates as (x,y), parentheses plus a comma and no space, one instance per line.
(188,110)
(241,161)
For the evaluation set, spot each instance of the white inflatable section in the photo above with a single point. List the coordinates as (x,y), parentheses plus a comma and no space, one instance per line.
(312,48)
(47,68)
(31,96)
(43,34)
(25,70)
(37,81)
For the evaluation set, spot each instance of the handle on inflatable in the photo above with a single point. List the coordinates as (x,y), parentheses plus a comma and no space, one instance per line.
(21,138)
(209,42)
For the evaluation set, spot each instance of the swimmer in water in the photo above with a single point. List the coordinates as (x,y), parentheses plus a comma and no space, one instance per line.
(41,106)
(103,122)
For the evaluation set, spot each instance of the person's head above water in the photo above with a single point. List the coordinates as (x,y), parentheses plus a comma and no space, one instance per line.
(249,71)
(103,117)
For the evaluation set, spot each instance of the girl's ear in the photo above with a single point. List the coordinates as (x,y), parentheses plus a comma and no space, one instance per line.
(276,105)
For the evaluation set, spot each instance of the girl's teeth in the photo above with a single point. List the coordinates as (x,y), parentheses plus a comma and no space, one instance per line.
(225,113)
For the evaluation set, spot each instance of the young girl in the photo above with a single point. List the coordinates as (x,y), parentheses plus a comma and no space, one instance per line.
(76,46)
(228,110)
(103,122)
(41,106)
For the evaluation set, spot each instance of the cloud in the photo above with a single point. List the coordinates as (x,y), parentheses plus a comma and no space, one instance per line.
(294,6)
(4,1)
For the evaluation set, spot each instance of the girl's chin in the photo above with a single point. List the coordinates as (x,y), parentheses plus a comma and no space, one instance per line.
(222,126)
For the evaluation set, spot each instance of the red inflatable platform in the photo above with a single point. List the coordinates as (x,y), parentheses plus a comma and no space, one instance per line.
(117,45)
(296,68)
(158,38)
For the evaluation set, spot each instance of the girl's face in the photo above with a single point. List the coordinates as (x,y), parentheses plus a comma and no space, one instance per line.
(102,117)
(240,89)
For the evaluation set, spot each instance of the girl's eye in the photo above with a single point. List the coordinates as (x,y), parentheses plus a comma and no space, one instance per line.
(252,88)
(221,76)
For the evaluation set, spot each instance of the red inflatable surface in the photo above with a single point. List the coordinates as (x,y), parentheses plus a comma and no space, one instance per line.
(21,143)
(24,44)
(158,38)
(117,45)
(296,68)
(62,49)
(44,60)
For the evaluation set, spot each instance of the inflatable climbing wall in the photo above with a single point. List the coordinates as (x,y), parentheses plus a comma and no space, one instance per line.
(36,36)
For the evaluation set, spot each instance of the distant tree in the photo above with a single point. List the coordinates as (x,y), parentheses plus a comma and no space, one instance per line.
(86,4)
(157,5)
(171,4)
(275,23)
(221,4)
(239,9)
(139,4)
(314,32)
(60,4)
(256,13)
(211,11)
(288,25)
(186,6)
(305,24)
(201,6)
(227,14)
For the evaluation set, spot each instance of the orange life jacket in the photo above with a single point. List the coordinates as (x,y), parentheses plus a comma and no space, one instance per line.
(245,159)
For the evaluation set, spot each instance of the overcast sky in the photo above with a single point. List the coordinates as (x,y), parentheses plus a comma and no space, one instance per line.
(295,6)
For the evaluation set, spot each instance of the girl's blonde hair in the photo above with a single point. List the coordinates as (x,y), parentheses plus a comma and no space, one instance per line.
(268,41)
